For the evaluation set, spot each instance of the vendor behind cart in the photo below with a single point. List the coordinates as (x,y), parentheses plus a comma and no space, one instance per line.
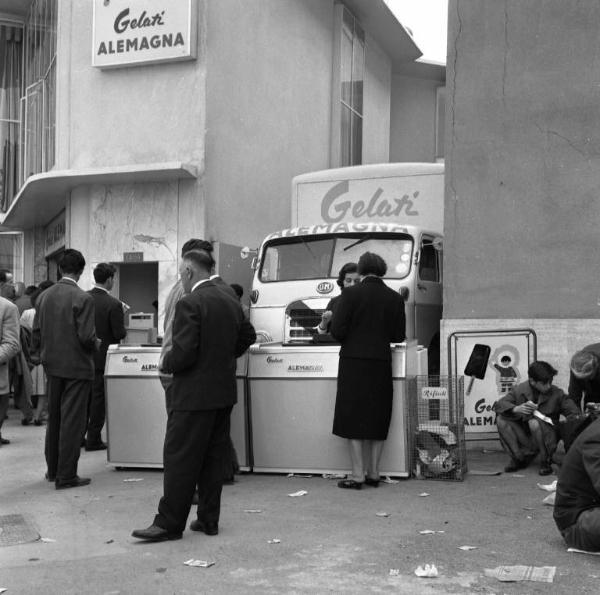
(528,417)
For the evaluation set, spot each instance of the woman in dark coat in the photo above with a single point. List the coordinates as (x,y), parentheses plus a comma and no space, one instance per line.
(368,317)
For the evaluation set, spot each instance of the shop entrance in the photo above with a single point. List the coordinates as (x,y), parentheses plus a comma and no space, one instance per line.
(136,284)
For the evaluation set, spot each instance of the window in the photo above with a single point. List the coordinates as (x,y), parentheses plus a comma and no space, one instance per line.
(11,71)
(11,253)
(428,263)
(38,103)
(352,67)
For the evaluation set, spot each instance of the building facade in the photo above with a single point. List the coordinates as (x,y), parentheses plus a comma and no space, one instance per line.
(130,127)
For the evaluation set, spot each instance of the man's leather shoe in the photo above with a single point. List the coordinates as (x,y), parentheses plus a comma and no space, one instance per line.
(208,528)
(350,484)
(155,533)
(96,446)
(4,440)
(76,482)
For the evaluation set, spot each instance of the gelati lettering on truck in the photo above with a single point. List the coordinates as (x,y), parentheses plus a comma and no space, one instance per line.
(393,209)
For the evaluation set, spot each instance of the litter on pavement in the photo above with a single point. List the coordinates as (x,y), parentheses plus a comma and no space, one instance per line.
(423,495)
(253,510)
(426,571)
(47,540)
(549,487)
(388,479)
(549,499)
(574,550)
(384,514)
(394,572)
(334,475)
(298,475)
(133,479)
(429,532)
(274,540)
(466,548)
(298,493)
(198,563)
(540,574)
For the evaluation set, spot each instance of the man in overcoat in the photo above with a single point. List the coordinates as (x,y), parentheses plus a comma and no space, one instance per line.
(209,333)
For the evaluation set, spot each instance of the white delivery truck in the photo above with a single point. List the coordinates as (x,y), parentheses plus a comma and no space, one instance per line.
(392,209)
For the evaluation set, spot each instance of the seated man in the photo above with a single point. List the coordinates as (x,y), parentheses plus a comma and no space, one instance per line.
(577,504)
(521,427)
(585,376)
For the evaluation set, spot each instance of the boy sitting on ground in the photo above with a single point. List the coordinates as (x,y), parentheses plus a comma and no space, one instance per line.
(528,416)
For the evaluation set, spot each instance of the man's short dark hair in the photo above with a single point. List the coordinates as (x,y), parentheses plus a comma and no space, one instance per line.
(39,290)
(71,262)
(196,244)
(371,264)
(45,284)
(349,267)
(30,289)
(541,372)
(239,290)
(200,258)
(104,271)
(2,276)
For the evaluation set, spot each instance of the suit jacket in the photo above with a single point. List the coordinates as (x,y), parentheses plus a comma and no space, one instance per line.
(64,332)
(368,317)
(578,486)
(209,333)
(110,323)
(9,340)
(551,404)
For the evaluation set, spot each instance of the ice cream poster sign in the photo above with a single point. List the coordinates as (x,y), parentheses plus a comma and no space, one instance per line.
(134,32)
(491,364)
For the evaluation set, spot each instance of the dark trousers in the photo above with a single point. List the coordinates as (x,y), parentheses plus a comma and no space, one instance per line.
(196,446)
(67,410)
(585,533)
(96,410)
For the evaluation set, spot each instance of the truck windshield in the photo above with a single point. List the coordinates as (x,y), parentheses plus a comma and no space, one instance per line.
(310,257)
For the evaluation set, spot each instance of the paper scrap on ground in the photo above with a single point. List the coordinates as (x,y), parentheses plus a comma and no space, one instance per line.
(576,551)
(427,571)
(549,487)
(423,495)
(388,479)
(549,499)
(134,479)
(47,540)
(2,590)
(394,572)
(385,514)
(198,563)
(543,417)
(540,574)
(253,510)
(274,540)
(298,493)
(298,475)
(334,476)
(429,532)
(517,475)
(466,548)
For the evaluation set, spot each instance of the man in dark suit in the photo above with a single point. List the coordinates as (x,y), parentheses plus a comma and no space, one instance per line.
(209,333)
(64,340)
(577,503)
(110,329)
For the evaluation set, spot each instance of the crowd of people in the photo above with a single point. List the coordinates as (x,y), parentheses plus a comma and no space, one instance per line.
(53,344)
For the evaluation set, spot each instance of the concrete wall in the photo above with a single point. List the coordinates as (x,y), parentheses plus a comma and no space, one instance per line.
(268,107)
(140,114)
(522,146)
(412,121)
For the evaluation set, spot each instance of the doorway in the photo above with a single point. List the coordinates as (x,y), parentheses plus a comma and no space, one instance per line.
(136,284)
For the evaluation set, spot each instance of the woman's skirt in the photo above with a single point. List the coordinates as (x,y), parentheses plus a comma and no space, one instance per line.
(363,404)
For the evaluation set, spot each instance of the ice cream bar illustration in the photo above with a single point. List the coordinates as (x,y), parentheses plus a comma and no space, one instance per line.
(477,364)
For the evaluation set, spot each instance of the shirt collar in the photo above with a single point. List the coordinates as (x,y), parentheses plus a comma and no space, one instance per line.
(199,283)
(68,279)
(100,287)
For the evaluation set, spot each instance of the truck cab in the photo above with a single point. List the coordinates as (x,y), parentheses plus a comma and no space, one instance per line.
(296,271)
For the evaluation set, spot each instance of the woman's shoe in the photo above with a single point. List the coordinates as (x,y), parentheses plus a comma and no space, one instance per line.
(350,484)
(374,483)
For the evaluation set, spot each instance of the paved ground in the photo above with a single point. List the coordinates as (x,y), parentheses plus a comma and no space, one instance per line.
(332,541)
